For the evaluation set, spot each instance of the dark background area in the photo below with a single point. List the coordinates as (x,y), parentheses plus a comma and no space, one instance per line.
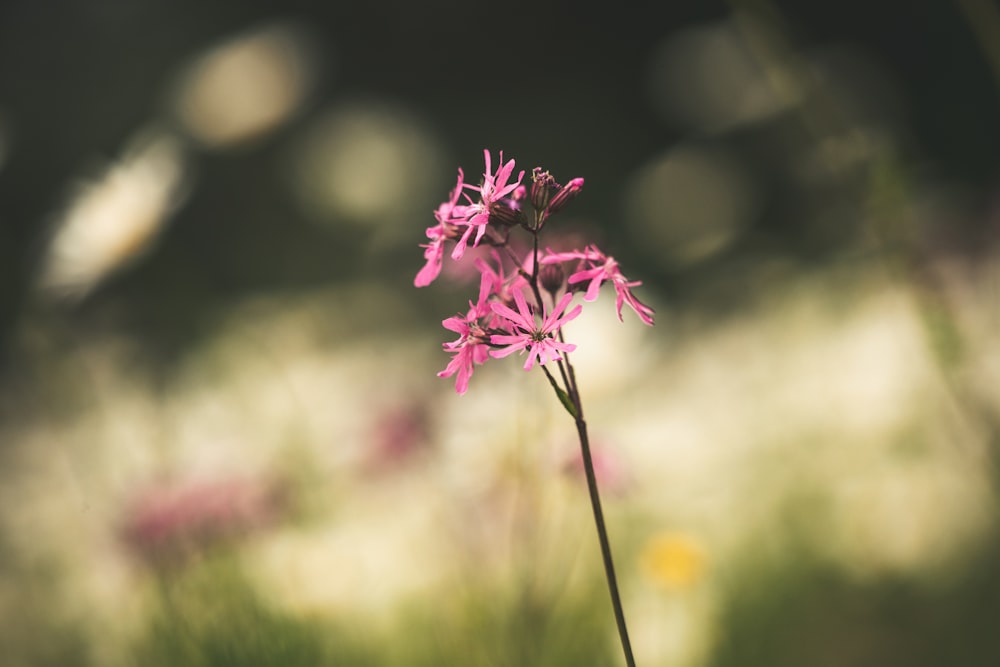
(554,83)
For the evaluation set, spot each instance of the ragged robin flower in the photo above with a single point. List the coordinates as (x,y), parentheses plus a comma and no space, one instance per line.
(492,191)
(597,268)
(492,328)
(446,215)
(525,332)
(471,346)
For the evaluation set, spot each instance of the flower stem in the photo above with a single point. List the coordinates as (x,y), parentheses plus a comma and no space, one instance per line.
(570,398)
(602,534)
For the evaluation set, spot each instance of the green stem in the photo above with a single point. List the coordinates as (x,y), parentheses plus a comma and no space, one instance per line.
(570,398)
(602,534)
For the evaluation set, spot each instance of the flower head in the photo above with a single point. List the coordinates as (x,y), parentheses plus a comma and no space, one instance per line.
(503,286)
(470,348)
(476,215)
(433,254)
(434,251)
(598,268)
(525,332)
(516,281)
(565,194)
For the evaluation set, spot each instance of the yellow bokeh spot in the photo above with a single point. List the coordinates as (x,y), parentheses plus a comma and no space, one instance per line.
(674,560)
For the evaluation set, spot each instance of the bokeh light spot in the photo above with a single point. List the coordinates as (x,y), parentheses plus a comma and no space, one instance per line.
(708,79)
(674,560)
(368,163)
(247,86)
(690,204)
(112,220)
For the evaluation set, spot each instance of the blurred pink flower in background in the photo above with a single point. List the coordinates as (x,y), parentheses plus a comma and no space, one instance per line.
(170,521)
(610,470)
(400,435)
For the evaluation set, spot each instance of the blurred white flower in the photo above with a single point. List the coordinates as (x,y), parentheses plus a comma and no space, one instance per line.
(113,219)
(247,86)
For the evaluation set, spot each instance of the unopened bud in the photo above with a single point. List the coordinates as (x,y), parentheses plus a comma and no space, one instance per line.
(542,185)
(505,214)
(551,277)
(564,196)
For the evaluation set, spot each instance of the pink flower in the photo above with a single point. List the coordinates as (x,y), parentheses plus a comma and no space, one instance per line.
(623,294)
(165,522)
(502,286)
(449,211)
(563,197)
(475,216)
(609,468)
(434,251)
(600,268)
(526,333)
(470,348)
(400,434)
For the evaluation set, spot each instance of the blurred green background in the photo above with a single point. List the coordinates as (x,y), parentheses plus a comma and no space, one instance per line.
(221,437)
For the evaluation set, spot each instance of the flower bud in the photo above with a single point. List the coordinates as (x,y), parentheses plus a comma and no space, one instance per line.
(506,213)
(563,197)
(551,277)
(542,185)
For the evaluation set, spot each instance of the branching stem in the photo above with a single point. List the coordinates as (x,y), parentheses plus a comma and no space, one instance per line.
(573,393)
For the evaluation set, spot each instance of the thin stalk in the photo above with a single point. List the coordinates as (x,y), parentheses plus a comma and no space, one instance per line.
(569,381)
(602,534)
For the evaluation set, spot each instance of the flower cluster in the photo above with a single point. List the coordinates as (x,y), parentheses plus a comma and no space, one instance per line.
(510,314)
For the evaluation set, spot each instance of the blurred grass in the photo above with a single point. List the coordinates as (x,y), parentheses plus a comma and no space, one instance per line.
(802,611)
(210,616)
